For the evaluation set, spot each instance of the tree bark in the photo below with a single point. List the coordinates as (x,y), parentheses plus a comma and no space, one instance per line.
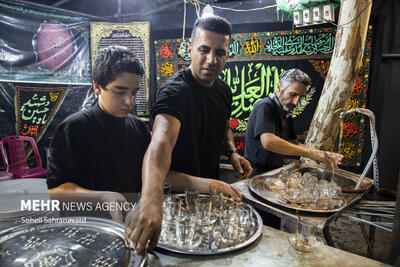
(345,65)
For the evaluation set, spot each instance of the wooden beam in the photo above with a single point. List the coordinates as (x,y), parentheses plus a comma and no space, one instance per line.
(345,64)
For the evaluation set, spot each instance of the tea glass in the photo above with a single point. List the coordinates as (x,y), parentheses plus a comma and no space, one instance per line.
(205,216)
(305,239)
(186,235)
(190,199)
(171,206)
(230,230)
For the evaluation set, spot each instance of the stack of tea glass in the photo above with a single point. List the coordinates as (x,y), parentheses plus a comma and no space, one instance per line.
(197,222)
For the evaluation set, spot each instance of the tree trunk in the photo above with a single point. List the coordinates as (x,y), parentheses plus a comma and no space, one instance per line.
(343,71)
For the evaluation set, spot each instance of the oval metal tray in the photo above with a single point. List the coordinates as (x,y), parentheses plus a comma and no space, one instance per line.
(204,248)
(69,241)
(256,186)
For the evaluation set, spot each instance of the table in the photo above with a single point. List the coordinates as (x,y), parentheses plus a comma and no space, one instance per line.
(271,249)
(322,220)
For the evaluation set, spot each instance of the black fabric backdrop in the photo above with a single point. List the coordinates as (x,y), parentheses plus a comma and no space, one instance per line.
(384,88)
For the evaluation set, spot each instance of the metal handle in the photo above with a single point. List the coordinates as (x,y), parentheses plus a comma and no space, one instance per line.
(374,140)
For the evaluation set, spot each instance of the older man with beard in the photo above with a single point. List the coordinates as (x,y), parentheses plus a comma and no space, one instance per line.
(270,133)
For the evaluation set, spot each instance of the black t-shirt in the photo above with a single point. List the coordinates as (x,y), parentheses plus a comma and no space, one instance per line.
(267,116)
(98,151)
(202,112)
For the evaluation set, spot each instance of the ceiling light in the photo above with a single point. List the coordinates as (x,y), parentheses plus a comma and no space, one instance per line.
(207,11)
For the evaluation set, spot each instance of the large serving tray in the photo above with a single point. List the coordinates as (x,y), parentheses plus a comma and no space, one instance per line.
(343,178)
(204,247)
(69,241)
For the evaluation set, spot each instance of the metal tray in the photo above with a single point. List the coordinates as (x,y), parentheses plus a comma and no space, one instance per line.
(257,187)
(69,241)
(204,247)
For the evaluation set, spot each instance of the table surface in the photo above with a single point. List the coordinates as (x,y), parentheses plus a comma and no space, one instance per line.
(271,249)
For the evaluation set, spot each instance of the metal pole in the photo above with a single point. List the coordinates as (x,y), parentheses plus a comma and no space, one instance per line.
(52,9)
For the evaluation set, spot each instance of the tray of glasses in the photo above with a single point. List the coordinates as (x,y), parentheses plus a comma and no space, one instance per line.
(68,241)
(204,225)
(305,189)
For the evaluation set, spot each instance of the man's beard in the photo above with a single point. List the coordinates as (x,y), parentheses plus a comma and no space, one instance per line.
(288,107)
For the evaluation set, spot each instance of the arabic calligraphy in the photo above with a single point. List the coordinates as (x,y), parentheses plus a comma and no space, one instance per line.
(234,48)
(252,46)
(31,130)
(309,44)
(249,84)
(239,145)
(35,109)
(33,242)
(54,96)
(183,52)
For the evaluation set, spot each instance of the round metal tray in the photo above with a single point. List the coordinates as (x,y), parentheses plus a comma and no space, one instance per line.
(204,247)
(69,241)
(256,186)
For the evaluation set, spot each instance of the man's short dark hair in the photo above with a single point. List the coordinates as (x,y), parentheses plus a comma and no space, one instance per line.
(214,24)
(112,61)
(294,75)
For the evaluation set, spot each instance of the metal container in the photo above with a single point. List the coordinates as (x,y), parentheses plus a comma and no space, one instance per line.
(343,178)
(68,241)
(205,247)
(13,192)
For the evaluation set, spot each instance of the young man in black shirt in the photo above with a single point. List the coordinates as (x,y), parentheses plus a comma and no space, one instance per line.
(191,126)
(98,152)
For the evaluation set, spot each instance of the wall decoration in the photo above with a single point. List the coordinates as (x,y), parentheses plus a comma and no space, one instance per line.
(54,45)
(43,47)
(256,62)
(35,108)
(135,36)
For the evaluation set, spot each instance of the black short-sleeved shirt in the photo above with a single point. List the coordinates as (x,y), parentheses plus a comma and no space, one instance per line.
(267,116)
(98,151)
(202,112)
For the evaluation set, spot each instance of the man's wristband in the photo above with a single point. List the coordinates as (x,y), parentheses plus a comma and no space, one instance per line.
(230,152)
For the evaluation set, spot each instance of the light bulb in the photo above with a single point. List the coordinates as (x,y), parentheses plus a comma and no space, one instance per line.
(207,11)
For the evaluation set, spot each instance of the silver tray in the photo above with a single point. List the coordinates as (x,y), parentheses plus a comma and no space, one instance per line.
(204,247)
(70,241)
(256,186)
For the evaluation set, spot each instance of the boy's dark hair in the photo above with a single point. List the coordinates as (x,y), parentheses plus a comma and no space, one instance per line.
(214,24)
(111,61)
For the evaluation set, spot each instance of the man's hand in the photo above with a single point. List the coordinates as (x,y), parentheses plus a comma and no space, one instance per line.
(143,224)
(217,187)
(330,159)
(241,165)
(112,198)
